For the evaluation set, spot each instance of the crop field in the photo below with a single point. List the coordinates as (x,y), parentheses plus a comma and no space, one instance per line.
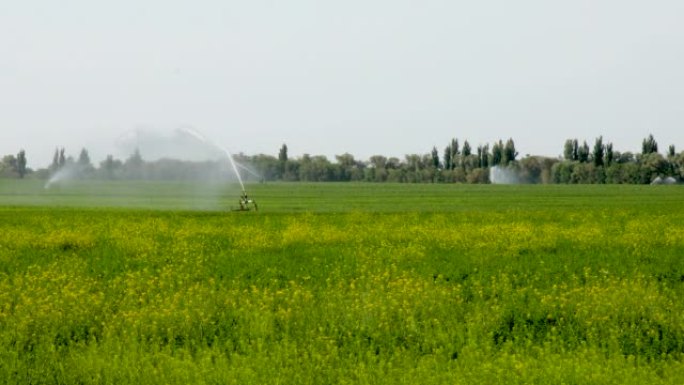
(159,283)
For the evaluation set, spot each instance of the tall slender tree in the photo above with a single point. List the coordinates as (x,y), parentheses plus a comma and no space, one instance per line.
(84,159)
(55,161)
(21,163)
(451,155)
(282,154)
(598,153)
(485,156)
(568,150)
(282,162)
(62,158)
(497,153)
(454,153)
(509,153)
(447,157)
(610,156)
(583,153)
(467,150)
(649,145)
(435,157)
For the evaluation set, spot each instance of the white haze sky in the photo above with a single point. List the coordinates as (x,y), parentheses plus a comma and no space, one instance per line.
(368,77)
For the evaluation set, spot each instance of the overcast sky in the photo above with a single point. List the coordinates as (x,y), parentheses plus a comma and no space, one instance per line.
(387,77)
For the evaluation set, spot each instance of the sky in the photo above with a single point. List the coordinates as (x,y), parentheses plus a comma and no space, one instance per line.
(390,77)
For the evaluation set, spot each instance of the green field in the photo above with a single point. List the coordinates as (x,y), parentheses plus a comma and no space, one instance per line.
(159,283)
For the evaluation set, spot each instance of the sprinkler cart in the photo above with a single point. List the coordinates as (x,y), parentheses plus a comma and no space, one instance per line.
(246,203)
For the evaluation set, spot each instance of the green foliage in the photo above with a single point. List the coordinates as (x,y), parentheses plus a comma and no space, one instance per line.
(509,153)
(653,165)
(607,166)
(649,145)
(599,152)
(8,166)
(55,161)
(483,156)
(583,153)
(610,155)
(21,163)
(14,166)
(568,150)
(458,166)
(282,154)
(497,153)
(434,154)
(84,159)
(372,284)
(111,168)
(466,151)
(451,152)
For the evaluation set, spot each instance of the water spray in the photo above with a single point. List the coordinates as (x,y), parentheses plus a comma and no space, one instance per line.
(503,175)
(249,170)
(66,173)
(245,203)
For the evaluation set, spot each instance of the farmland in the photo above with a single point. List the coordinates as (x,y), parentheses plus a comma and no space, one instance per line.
(146,283)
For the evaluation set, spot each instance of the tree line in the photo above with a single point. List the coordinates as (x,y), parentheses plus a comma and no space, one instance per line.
(603,164)
(456,163)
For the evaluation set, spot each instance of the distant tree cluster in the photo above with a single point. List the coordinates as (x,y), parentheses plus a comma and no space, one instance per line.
(456,163)
(14,166)
(605,165)
(135,167)
(463,164)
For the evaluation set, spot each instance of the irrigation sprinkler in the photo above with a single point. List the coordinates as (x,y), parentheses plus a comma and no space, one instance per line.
(246,203)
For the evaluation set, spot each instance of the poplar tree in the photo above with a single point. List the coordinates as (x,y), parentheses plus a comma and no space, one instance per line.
(598,152)
(55,161)
(649,145)
(583,153)
(435,157)
(21,163)
(497,153)
(62,158)
(466,149)
(509,152)
(568,150)
(610,156)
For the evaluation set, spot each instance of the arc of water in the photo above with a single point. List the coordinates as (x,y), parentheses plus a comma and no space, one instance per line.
(201,138)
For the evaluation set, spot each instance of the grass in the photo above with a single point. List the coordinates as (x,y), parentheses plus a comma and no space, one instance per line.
(335,197)
(341,283)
